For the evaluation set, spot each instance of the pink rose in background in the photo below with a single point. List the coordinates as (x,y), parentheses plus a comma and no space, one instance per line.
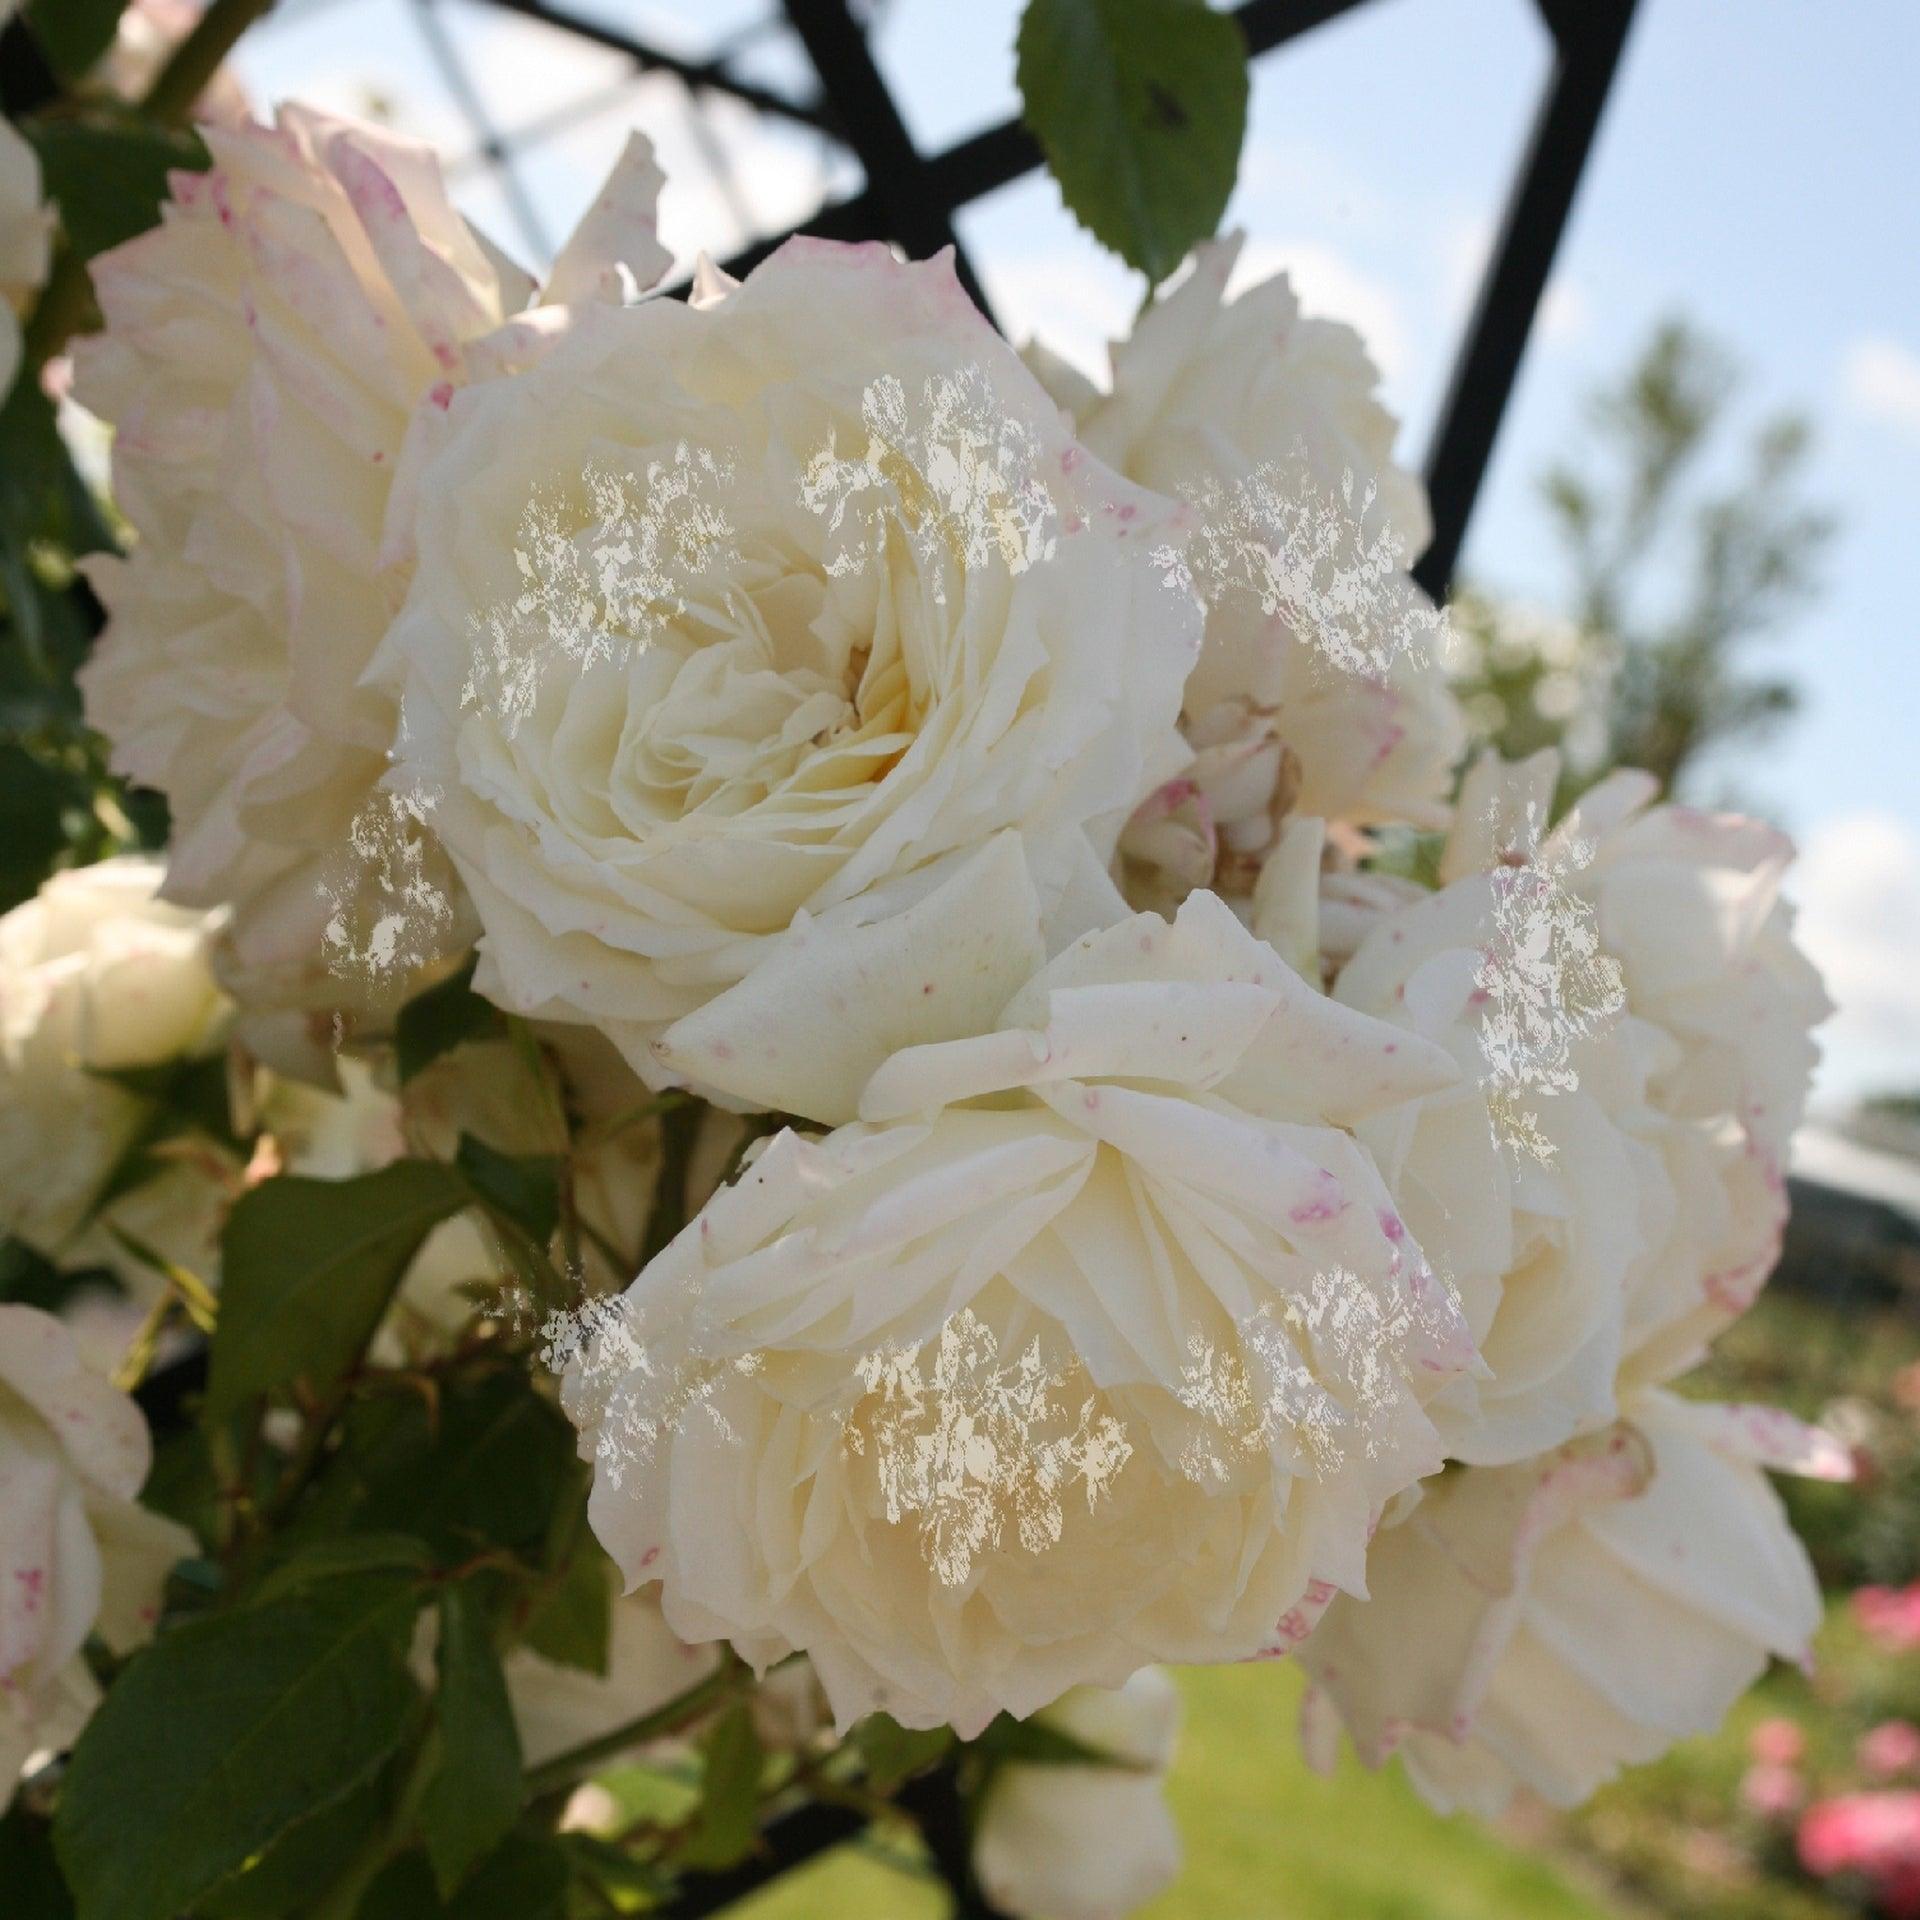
(1876,1835)
(1773,1792)
(1890,1616)
(1890,1749)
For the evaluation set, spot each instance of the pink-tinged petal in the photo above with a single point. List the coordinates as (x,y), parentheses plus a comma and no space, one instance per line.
(1771,1437)
(615,251)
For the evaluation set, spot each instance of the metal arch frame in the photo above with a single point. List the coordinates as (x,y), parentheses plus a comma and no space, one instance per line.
(912,197)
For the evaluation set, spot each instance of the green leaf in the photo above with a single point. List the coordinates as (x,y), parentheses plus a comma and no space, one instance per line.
(73,34)
(526,1877)
(487,1472)
(33,805)
(308,1267)
(225,1733)
(44,504)
(525,1187)
(189,1095)
(474,1796)
(306,1859)
(572,1622)
(894,1754)
(729,1792)
(29,1279)
(443,1017)
(402,1890)
(28,1870)
(1140,107)
(631,1884)
(340,1556)
(107,170)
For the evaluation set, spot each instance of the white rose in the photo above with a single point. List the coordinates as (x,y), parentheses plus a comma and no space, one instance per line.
(77,1555)
(98,975)
(26,242)
(1722,1006)
(1543,1625)
(266,347)
(1603,1185)
(1538,1244)
(737,616)
(1087,1843)
(558,1707)
(1094,1341)
(1316,641)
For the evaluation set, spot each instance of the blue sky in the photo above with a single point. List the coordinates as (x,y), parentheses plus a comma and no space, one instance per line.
(1758,170)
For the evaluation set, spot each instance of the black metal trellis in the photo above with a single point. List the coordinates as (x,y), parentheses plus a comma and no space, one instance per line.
(913,197)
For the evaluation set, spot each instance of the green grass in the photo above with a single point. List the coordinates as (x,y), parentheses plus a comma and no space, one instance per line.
(1265,1839)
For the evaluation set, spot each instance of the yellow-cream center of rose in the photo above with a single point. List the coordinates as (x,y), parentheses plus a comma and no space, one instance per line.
(754,687)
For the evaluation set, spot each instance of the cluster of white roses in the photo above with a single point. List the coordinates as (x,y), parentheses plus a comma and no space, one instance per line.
(1185,1242)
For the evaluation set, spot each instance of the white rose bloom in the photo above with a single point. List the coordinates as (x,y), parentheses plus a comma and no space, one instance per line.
(98,975)
(77,1554)
(1544,1624)
(1538,1248)
(1093,1341)
(266,348)
(735,616)
(26,242)
(558,1707)
(1087,1843)
(1722,1006)
(1318,647)
(1603,1185)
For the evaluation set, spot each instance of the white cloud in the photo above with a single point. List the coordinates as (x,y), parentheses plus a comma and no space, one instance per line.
(1858,888)
(1881,379)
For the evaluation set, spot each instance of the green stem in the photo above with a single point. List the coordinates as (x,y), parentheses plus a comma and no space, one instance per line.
(193,63)
(565,1769)
(679,1129)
